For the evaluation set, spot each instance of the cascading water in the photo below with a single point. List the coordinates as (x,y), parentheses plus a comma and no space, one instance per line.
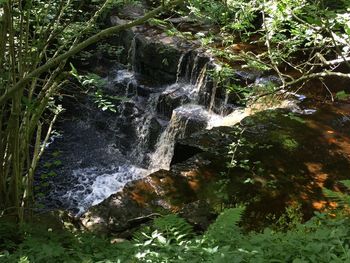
(94,184)
(201,80)
(132,53)
(147,128)
(107,150)
(179,67)
(184,121)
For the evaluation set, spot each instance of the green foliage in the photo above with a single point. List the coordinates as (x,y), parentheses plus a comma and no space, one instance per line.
(164,241)
(88,80)
(37,40)
(289,220)
(226,225)
(225,76)
(236,15)
(173,226)
(342,95)
(171,239)
(102,49)
(288,143)
(289,34)
(294,117)
(40,244)
(102,102)
(170,228)
(342,199)
(97,83)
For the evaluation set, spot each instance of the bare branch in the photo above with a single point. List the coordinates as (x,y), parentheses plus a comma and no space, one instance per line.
(93,39)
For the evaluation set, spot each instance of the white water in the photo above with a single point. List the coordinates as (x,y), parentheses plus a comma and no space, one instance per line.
(178,73)
(132,53)
(233,118)
(201,81)
(142,127)
(96,184)
(181,118)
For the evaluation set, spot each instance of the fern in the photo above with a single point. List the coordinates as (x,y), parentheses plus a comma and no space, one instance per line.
(172,227)
(170,239)
(226,225)
(342,199)
(346,183)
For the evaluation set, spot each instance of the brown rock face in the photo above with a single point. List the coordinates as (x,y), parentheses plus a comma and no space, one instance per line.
(286,159)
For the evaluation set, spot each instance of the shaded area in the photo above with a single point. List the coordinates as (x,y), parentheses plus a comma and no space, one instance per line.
(290,158)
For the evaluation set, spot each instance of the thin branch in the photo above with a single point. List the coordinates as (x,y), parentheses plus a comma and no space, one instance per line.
(268,45)
(304,78)
(91,40)
(319,75)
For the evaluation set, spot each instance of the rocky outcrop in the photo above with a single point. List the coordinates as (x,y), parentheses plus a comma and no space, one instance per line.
(276,152)
(156,60)
(277,165)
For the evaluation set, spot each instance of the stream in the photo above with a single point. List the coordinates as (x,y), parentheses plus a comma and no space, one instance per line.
(95,153)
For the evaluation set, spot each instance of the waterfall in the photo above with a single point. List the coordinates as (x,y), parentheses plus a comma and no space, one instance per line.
(96,184)
(231,119)
(143,127)
(191,68)
(125,81)
(179,67)
(223,106)
(161,158)
(193,75)
(112,150)
(202,79)
(212,98)
(132,54)
(184,121)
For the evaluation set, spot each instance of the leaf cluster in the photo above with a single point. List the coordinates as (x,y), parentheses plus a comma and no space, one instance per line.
(171,239)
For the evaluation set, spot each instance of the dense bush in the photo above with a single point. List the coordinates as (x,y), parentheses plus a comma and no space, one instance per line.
(171,239)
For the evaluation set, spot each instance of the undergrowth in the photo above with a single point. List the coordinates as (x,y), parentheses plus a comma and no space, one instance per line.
(171,239)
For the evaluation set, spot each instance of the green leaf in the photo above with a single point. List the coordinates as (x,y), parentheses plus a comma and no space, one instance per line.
(57,162)
(342,95)
(225,227)
(52,173)
(47,164)
(161,239)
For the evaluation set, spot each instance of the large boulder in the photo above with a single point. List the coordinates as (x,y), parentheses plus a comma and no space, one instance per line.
(156,60)
(281,159)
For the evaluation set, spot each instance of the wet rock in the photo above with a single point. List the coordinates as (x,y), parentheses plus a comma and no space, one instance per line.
(227,108)
(205,95)
(183,152)
(123,85)
(145,91)
(290,158)
(113,215)
(285,166)
(191,66)
(155,60)
(128,109)
(200,214)
(245,78)
(132,11)
(123,40)
(154,131)
(188,119)
(56,220)
(268,80)
(172,99)
(138,203)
